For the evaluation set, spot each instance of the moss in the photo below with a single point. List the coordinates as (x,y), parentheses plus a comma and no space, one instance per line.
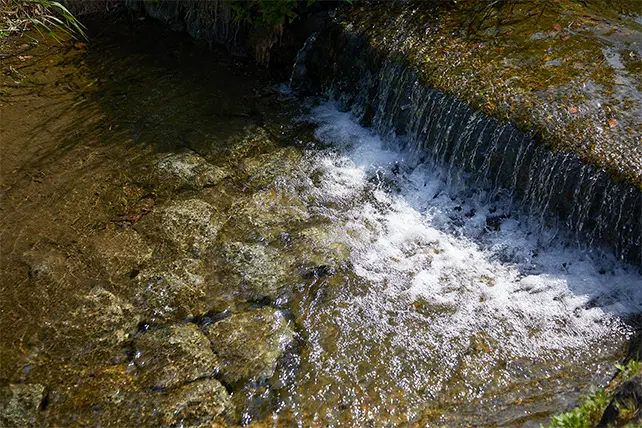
(533,63)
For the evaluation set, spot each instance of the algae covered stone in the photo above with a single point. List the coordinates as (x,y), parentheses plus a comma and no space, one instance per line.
(267,215)
(107,318)
(189,226)
(263,170)
(19,404)
(174,355)
(173,291)
(100,325)
(249,344)
(259,269)
(108,385)
(204,402)
(120,252)
(186,170)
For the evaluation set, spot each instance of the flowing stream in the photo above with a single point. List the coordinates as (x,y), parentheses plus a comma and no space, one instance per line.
(413,296)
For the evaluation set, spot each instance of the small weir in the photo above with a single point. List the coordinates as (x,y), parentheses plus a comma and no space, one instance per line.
(451,304)
(201,247)
(387,95)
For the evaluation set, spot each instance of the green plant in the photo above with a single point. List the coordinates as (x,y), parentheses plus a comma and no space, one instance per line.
(270,12)
(586,414)
(628,370)
(46,16)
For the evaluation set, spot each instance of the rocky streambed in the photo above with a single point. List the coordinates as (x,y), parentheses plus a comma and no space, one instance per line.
(184,243)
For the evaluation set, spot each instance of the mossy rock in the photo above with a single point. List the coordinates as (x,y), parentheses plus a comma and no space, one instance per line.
(257,271)
(19,404)
(203,403)
(172,172)
(189,226)
(263,170)
(173,356)
(249,344)
(99,327)
(173,291)
(120,252)
(266,215)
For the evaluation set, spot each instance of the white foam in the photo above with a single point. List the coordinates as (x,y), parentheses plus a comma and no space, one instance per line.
(416,238)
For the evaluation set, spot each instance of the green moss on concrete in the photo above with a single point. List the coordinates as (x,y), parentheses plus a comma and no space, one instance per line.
(566,71)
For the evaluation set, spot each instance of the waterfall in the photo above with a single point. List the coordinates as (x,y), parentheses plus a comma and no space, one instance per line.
(551,187)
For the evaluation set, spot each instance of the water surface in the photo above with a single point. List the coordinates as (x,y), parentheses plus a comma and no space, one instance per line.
(414,297)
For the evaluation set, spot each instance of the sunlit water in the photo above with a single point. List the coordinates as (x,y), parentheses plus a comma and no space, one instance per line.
(439,304)
(449,297)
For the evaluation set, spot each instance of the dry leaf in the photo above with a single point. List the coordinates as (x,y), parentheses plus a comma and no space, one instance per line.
(613,123)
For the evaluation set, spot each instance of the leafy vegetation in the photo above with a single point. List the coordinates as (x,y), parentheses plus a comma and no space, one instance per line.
(628,370)
(589,412)
(19,16)
(270,12)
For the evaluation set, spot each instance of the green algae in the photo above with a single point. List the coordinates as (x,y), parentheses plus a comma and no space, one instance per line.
(543,65)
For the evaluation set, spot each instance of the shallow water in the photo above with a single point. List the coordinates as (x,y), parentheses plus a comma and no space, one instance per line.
(139,167)
(455,303)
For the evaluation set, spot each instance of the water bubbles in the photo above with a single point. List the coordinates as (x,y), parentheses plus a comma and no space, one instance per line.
(438,298)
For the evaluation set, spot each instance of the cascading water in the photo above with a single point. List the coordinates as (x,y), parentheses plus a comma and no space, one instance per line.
(476,291)
(387,94)
(451,308)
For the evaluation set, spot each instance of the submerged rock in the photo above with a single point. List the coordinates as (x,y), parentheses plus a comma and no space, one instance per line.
(106,386)
(255,139)
(100,326)
(173,356)
(249,344)
(267,215)
(265,169)
(19,404)
(204,402)
(121,252)
(260,271)
(49,266)
(174,291)
(107,318)
(174,171)
(116,396)
(189,226)
(320,252)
